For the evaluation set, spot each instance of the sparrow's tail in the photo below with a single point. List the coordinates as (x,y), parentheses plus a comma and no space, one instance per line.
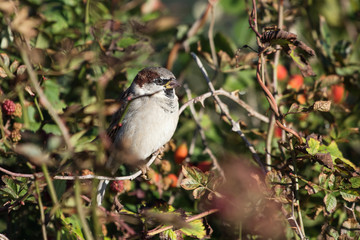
(101,191)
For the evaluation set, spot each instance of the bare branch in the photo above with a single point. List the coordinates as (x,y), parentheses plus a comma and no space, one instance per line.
(43,99)
(202,135)
(235,125)
(232,96)
(85,177)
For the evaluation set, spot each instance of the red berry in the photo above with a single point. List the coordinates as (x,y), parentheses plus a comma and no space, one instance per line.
(277,132)
(301,98)
(181,153)
(8,107)
(337,93)
(282,72)
(204,166)
(296,82)
(117,186)
(174,179)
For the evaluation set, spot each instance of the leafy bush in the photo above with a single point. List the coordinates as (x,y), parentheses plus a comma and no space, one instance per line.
(267,142)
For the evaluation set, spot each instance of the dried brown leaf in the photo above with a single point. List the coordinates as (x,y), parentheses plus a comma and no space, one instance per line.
(278,37)
(322,106)
(325,159)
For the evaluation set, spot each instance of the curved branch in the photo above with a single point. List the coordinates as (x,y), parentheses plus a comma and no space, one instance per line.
(232,96)
(85,177)
(235,125)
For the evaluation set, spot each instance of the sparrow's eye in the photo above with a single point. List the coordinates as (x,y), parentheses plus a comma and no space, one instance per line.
(160,81)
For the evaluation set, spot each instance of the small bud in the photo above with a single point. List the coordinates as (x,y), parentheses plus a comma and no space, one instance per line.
(165,166)
(85,172)
(18,110)
(17,126)
(15,136)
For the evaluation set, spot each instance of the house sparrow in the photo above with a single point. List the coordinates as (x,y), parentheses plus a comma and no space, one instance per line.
(146,120)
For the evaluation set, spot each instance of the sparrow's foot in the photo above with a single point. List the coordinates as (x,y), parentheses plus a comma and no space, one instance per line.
(144,169)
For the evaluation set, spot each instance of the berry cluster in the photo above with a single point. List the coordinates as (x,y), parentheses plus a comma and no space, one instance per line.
(11,109)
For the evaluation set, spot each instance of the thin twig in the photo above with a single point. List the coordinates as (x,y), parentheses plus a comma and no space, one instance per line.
(233,96)
(277,114)
(80,212)
(184,42)
(43,99)
(296,190)
(84,177)
(202,134)
(187,159)
(211,34)
(235,125)
(41,209)
(271,126)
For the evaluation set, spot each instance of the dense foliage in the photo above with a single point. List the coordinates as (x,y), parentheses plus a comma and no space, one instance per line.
(266,148)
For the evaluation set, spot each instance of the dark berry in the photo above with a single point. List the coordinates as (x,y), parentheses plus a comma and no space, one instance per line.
(117,186)
(8,107)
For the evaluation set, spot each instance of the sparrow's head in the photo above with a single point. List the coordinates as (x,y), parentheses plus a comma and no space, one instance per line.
(155,79)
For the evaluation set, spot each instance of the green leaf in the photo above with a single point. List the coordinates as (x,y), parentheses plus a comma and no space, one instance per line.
(224,43)
(350,195)
(75,137)
(193,173)
(331,181)
(189,184)
(313,146)
(60,187)
(72,227)
(52,92)
(322,178)
(34,124)
(52,128)
(330,202)
(301,63)
(334,150)
(126,42)
(197,229)
(169,234)
(335,153)
(10,187)
(355,182)
(199,192)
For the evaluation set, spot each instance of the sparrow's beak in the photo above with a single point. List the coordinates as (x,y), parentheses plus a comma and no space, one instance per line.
(173,83)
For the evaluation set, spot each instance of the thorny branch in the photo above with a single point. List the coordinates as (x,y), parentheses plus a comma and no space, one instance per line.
(279,119)
(273,104)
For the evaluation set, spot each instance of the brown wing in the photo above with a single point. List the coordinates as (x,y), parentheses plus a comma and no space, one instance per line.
(115,124)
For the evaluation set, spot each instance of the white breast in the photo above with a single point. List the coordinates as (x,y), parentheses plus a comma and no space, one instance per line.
(149,123)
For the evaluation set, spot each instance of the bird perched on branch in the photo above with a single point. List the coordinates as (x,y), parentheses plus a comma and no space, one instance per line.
(146,120)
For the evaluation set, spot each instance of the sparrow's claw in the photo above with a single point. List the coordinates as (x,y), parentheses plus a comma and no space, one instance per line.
(144,169)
